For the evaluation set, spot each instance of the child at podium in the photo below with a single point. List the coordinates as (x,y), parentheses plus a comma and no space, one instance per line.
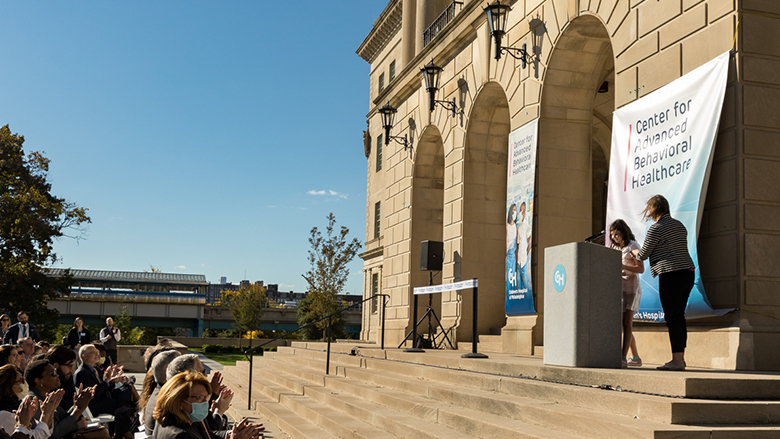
(621,238)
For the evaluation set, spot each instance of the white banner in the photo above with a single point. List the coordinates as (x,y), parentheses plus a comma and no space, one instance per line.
(471,283)
(663,144)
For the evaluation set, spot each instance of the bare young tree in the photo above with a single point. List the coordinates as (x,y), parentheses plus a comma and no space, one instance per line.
(329,256)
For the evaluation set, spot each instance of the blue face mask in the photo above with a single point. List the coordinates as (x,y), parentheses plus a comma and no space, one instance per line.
(199,411)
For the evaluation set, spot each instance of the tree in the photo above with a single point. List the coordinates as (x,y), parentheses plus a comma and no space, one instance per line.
(246,306)
(329,256)
(31,218)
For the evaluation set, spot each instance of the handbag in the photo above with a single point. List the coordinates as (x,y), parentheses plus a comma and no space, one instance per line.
(97,432)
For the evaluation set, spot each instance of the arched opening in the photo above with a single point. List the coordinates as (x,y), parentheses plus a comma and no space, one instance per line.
(574,142)
(427,215)
(484,200)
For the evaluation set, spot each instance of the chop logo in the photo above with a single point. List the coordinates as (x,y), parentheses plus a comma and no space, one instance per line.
(559,278)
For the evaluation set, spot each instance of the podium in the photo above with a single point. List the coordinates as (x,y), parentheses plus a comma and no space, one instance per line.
(582,305)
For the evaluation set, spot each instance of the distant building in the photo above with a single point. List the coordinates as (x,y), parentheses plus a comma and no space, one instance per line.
(288,299)
(214,291)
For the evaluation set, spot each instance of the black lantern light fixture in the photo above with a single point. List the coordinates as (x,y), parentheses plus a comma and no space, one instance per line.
(388,113)
(496,17)
(431,73)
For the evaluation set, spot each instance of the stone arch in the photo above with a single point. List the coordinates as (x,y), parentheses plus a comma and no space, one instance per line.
(483,211)
(427,205)
(574,140)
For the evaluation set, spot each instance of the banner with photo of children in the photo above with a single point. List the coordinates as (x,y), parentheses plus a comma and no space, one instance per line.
(663,144)
(519,218)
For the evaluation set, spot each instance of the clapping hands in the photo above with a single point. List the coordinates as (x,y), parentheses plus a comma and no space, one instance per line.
(247,430)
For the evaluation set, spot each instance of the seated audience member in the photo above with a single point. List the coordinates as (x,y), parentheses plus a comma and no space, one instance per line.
(42,347)
(102,350)
(25,417)
(151,390)
(26,350)
(64,361)
(13,390)
(191,363)
(183,403)
(9,354)
(88,375)
(220,399)
(42,378)
(151,352)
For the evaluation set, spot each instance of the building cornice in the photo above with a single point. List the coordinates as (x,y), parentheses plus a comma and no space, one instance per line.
(385,27)
(441,50)
(371,254)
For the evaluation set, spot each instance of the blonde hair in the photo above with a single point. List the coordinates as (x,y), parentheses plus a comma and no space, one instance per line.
(168,410)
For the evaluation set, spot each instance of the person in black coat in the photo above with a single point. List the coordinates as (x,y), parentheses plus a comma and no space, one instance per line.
(88,375)
(21,329)
(78,335)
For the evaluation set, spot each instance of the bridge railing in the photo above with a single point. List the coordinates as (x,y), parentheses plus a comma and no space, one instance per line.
(249,353)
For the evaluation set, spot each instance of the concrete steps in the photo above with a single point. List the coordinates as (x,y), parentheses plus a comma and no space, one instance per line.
(382,394)
(489,343)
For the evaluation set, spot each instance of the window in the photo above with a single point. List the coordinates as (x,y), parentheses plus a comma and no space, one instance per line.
(392,72)
(381,82)
(379,145)
(377,217)
(374,290)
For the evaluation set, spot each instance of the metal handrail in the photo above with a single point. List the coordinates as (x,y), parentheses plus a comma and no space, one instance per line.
(440,22)
(248,352)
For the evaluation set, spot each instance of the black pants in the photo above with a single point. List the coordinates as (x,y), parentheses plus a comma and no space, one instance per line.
(674,288)
(110,357)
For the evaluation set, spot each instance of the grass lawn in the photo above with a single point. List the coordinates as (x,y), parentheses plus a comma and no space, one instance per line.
(227,359)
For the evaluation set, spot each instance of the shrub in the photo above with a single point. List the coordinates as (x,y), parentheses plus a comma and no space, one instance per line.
(212,348)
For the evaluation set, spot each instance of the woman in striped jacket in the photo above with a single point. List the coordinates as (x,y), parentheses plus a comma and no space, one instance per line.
(666,244)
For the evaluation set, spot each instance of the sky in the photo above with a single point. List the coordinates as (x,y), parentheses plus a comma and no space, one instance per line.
(204,137)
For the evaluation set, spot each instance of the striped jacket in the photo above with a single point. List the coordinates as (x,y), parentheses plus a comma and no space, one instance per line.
(666,244)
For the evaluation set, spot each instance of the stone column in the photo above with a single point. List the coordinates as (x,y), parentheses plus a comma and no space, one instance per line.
(420,24)
(408,34)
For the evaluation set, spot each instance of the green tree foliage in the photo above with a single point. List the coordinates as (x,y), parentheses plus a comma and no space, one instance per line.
(130,334)
(329,256)
(246,306)
(31,218)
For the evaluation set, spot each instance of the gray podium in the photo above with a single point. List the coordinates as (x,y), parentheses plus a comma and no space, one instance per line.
(582,305)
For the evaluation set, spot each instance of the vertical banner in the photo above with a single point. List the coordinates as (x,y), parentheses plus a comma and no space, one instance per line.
(519,218)
(663,144)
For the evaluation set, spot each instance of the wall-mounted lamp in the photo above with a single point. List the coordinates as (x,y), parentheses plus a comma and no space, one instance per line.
(431,73)
(496,18)
(388,113)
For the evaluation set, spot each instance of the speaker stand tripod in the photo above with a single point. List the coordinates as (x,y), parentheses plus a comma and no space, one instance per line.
(431,314)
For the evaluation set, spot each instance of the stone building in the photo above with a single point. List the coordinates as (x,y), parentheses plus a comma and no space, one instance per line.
(588,58)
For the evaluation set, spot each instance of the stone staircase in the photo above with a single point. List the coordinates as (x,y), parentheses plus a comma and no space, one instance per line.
(437,394)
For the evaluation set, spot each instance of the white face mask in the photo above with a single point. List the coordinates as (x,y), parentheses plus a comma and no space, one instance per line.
(25,390)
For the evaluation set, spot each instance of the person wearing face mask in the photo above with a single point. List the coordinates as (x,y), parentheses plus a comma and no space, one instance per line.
(13,390)
(182,406)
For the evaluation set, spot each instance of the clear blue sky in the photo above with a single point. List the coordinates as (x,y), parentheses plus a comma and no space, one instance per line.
(203,137)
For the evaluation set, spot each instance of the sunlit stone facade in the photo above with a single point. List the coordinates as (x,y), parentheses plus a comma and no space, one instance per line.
(452,186)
